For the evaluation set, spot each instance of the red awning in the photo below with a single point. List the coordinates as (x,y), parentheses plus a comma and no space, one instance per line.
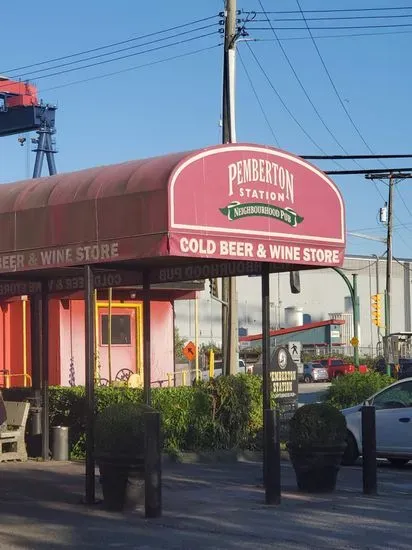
(229,202)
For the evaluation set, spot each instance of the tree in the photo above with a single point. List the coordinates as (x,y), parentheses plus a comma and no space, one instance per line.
(179,345)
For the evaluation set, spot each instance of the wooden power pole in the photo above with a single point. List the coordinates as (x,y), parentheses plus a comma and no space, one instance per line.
(229,294)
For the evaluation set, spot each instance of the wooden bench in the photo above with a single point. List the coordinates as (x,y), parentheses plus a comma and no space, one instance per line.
(12,444)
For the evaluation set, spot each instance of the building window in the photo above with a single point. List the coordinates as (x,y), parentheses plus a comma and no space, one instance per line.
(121,330)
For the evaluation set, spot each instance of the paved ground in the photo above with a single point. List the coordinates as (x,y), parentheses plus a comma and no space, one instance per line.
(205,507)
(310,393)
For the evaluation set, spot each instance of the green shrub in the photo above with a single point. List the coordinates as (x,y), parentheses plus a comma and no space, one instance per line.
(317,424)
(353,389)
(225,413)
(119,430)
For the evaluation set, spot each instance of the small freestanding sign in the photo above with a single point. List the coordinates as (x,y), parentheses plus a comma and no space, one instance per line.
(284,377)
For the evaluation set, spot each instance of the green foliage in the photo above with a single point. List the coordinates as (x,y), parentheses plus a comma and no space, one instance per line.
(353,389)
(119,430)
(210,346)
(225,413)
(179,345)
(317,424)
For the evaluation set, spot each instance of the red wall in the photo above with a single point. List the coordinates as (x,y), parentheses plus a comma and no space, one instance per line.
(66,341)
(162,340)
(72,338)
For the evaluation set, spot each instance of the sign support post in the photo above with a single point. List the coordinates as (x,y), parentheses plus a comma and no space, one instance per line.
(265,367)
(90,399)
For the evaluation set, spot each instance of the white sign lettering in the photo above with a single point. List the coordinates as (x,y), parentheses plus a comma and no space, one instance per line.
(68,255)
(222,248)
(254,170)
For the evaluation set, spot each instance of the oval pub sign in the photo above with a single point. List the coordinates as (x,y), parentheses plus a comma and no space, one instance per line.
(255,203)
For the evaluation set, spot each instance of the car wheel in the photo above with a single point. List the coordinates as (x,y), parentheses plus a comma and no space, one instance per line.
(307,379)
(351,454)
(398,462)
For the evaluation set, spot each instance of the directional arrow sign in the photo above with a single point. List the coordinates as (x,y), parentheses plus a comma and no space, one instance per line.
(190,351)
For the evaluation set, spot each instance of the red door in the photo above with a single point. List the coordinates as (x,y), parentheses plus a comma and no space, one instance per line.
(123,349)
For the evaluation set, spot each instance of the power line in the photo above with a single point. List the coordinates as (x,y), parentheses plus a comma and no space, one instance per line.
(320,36)
(403,201)
(84,80)
(99,48)
(282,101)
(258,99)
(332,28)
(340,18)
(340,10)
(342,104)
(157,48)
(99,56)
(351,157)
(303,87)
(356,128)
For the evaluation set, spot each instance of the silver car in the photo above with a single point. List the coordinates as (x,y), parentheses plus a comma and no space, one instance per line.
(315,372)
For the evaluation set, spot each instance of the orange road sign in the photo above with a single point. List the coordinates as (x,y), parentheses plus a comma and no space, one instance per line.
(190,351)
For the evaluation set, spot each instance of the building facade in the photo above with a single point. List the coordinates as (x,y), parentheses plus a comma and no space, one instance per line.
(324,295)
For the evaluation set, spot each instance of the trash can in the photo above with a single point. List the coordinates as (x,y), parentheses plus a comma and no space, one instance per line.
(35,420)
(60,443)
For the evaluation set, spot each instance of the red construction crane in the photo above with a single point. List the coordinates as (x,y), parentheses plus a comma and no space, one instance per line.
(21,111)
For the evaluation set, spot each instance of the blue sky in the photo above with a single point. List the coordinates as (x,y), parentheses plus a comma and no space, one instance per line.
(176,105)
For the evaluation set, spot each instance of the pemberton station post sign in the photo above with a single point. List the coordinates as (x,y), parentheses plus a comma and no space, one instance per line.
(228,209)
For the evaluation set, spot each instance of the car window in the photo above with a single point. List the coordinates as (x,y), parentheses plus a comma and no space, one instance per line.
(337,363)
(317,366)
(395,397)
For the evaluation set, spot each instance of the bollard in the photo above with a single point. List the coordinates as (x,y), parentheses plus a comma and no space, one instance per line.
(369,465)
(169,379)
(153,465)
(272,456)
(60,448)
(183,378)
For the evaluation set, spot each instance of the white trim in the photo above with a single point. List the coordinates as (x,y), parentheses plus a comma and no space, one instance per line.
(255,149)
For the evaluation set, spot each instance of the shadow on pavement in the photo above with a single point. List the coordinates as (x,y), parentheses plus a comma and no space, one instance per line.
(208,507)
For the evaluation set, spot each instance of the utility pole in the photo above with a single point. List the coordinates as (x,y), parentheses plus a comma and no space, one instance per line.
(393,176)
(229,294)
(389,259)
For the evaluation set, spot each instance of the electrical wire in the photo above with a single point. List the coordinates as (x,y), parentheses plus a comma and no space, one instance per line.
(282,101)
(341,10)
(99,56)
(403,200)
(319,36)
(115,73)
(99,48)
(332,83)
(347,18)
(258,99)
(303,87)
(331,28)
(157,48)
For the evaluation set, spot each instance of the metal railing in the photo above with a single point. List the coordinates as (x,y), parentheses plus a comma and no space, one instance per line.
(7,375)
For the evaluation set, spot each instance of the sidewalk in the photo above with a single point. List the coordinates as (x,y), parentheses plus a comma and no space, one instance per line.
(204,507)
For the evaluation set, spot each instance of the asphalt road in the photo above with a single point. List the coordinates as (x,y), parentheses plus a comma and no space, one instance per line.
(206,507)
(310,393)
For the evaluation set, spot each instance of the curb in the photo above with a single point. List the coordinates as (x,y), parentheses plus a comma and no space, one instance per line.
(216,457)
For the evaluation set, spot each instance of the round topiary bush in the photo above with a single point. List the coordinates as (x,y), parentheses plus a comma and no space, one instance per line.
(317,425)
(119,430)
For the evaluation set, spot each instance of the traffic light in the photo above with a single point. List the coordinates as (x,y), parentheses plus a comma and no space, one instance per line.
(376,307)
(214,288)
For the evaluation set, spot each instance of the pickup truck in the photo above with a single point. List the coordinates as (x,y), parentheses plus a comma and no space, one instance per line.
(336,367)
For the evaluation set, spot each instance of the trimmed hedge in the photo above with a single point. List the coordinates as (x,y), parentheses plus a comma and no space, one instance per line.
(224,413)
(353,389)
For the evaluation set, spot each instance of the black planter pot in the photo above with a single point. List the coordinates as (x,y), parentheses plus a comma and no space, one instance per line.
(122,484)
(316,468)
